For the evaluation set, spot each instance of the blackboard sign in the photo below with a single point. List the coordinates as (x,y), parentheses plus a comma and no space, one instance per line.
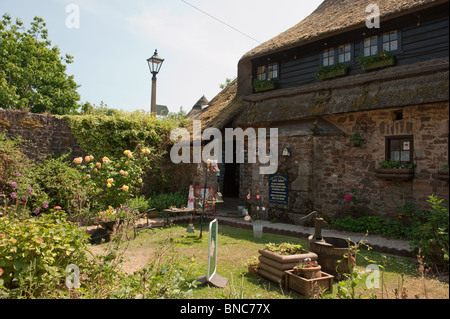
(279,189)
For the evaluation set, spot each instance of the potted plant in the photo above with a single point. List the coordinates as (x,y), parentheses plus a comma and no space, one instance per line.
(110,217)
(252,265)
(356,139)
(383,60)
(395,170)
(332,71)
(308,268)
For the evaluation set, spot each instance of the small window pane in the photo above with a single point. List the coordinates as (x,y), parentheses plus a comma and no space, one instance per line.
(395,144)
(393,36)
(405,156)
(373,41)
(395,156)
(394,45)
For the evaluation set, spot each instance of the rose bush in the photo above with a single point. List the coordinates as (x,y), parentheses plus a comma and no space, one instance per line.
(112,182)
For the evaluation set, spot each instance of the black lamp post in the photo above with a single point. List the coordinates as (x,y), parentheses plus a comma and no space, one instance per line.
(154,63)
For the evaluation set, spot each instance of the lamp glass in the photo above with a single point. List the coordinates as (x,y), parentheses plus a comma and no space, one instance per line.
(155,63)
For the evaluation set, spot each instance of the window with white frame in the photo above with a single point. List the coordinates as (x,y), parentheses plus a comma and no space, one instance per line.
(345,53)
(261,73)
(390,41)
(328,57)
(371,46)
(272,72)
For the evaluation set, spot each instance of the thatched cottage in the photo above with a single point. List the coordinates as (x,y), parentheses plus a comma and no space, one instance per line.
(346,92)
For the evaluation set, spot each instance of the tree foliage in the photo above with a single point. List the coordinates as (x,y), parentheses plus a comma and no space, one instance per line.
(32,71)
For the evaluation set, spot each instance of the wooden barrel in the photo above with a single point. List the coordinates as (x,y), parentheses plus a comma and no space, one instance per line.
(332,252)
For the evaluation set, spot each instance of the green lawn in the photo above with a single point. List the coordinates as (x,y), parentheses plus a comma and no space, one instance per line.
(236,246)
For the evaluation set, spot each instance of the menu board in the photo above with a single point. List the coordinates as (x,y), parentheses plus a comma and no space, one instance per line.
(279,189)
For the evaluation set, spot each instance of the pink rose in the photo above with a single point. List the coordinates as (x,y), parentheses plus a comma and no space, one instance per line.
(348,198)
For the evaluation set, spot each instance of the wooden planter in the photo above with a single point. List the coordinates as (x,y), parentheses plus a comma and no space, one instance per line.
(261,86)
(443,175)
(272,266)
(306,286)
(379,64)
(405,174)
(332,74)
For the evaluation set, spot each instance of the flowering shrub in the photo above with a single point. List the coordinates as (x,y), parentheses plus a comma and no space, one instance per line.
(23,198)
(112,182)
(353,204)
(34,253)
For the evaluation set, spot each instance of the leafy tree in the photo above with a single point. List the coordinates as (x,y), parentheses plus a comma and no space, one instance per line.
(32,72)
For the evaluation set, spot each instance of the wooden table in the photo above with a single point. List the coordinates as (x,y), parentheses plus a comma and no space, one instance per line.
(168,212)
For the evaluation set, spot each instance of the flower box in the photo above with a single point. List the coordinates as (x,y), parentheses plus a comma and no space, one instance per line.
(332,74)
(378,64)
(261,86)
(403,174)
(307,286)
(443,174)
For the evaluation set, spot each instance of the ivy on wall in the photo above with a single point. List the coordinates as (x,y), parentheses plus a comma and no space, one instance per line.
(103,135)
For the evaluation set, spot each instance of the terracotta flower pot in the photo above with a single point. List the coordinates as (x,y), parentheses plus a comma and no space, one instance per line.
(310,272)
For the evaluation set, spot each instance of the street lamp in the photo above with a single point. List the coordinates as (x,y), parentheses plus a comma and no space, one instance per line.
(154,63)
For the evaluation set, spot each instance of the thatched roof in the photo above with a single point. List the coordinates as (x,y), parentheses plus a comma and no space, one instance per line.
(221,110)
(336,16)
(419,83)
(197,109)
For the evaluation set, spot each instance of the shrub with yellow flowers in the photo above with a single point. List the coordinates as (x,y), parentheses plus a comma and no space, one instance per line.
(112,182)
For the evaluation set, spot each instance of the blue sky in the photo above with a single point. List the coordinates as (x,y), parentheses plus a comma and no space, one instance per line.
(115,37)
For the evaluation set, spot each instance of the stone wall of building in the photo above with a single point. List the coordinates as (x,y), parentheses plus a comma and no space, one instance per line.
(323,168)
(43,134)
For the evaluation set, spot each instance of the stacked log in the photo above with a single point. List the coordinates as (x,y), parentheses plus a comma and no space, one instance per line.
(272,266)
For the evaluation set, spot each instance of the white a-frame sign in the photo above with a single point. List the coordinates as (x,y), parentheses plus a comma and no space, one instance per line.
(211,275)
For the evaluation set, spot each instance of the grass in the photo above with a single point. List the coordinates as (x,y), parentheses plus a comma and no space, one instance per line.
(236,246)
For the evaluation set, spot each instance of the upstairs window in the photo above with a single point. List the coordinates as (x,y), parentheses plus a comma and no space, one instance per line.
(262,74)
(390,41)
(345,53)
(267,72)
(328,57)
(371,46)
(272,71)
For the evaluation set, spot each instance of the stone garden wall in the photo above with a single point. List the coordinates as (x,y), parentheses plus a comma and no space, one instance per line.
(43,134)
